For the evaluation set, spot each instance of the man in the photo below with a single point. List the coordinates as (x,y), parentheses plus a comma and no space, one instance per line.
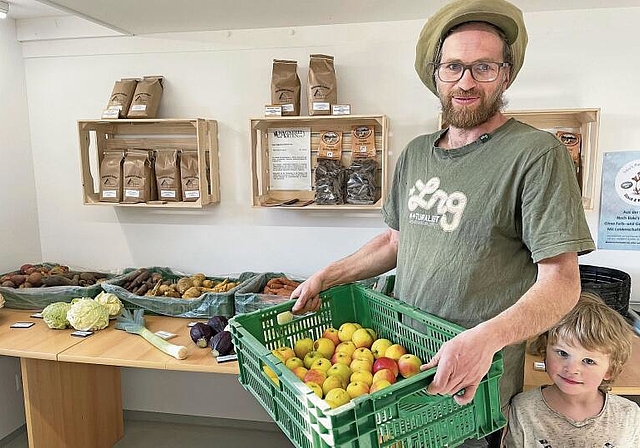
(485,217)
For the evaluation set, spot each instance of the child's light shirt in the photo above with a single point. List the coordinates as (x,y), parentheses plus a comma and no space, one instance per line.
(532,423)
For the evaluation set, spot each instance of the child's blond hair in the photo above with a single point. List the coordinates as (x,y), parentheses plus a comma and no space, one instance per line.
(596,327)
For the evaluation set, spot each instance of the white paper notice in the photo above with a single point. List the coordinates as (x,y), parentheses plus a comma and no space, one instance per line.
(290,158)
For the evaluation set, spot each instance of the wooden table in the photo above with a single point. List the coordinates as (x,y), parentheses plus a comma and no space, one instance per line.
(627,383)
(71,385)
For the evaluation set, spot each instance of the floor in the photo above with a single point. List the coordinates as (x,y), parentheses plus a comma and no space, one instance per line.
(154,434)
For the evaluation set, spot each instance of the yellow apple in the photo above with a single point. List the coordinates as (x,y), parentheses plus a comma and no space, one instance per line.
(379,385)
(310,357)
(324,346)
(341,358)
(347,347)
(271,374)
(337,397)
(346,331)
(379,347)
(372,332)
(384,374)
(362,353)
(409,365)
(315,388)
(293,362)
(331,333)
(343,371)
(286,352)
(332,382)
(322,364)
(362,376)
(300,372)
(357,388)
(302,347)
(395,351)
(315,376)
(361,364)
(362,338)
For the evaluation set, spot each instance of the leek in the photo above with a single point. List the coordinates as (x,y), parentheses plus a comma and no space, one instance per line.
(134,323)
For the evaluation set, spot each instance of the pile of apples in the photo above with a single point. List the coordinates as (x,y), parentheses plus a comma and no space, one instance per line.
(347,362)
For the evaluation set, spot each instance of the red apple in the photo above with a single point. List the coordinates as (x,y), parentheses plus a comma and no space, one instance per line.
(386,363)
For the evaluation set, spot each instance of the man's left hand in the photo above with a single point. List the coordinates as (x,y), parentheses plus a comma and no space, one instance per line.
(462,363)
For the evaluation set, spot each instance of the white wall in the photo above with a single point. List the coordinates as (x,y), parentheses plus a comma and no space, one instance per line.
(19,235)
(225,76)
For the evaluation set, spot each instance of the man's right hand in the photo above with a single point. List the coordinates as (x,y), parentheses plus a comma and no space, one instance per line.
(308,296)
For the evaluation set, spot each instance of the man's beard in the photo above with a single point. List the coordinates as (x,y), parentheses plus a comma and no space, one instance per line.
(471,117)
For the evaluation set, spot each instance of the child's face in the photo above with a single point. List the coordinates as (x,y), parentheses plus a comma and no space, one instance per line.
(574,369)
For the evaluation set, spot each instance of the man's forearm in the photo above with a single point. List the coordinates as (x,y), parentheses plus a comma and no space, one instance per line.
(554,294)
(374,258)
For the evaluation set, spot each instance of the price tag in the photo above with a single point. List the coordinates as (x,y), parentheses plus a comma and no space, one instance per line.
(110,114)
(539,365)
(191,324)
(272,111)
(23,324)
(340,109)
(165,334)
(81,334)
(226,358)
(36,315)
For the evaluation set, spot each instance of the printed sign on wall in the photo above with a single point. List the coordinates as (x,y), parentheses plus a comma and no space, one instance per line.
(620,201)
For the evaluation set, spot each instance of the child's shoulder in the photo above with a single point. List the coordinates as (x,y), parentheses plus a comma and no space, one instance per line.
(527,397)
(623,405)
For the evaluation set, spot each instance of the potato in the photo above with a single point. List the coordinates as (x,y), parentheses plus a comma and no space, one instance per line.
(35,278)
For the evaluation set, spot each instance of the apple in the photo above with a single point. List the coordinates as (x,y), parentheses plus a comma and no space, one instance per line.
(347,347)
(300,372)
(343,371)
(372,332)
(395,351)
(302,347)
(331,333)
(286,352)
(361,364)
(341,358)
(409,365)
(337,397)
(385,363)
(293,362)
(324,346)
(332,382)
(362,353)
(379,347)
(271,374)
(315,388)
(322,364)
(379,385)
(362,376)
(384,374)
(362,338)
(310,357)
(357,388)
(315,376)
(346,330)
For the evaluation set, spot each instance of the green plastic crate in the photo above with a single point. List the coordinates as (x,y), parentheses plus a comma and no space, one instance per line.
(401,415)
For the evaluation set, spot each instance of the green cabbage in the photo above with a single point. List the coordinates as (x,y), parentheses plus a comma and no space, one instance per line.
(88,315)
(111,302)
(55,315)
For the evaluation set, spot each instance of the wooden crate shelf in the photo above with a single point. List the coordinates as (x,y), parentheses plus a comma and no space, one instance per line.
(261,188)
(195,134)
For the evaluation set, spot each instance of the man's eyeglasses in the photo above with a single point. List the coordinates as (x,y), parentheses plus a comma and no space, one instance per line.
(480,71)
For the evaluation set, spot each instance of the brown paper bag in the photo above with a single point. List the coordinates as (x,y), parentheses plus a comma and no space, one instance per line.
(322,86)
(139,181)
(168,175)
(146,98)
(120,99)
(189,175)
(285,86)
(111,176)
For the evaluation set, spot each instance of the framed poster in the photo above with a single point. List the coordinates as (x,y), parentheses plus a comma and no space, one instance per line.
(620,201)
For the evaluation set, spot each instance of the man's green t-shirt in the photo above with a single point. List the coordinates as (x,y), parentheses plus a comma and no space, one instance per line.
(475,220)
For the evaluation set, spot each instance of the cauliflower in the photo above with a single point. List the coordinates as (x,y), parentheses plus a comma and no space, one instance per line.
(111,302)
(55,315)
(88,315)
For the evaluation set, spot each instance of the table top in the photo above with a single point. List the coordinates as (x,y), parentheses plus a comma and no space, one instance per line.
(108,346)
(627,383)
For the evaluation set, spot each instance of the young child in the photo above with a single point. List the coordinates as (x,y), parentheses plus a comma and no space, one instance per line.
(584,353)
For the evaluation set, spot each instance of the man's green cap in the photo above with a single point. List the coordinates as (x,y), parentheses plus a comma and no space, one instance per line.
(498,13)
